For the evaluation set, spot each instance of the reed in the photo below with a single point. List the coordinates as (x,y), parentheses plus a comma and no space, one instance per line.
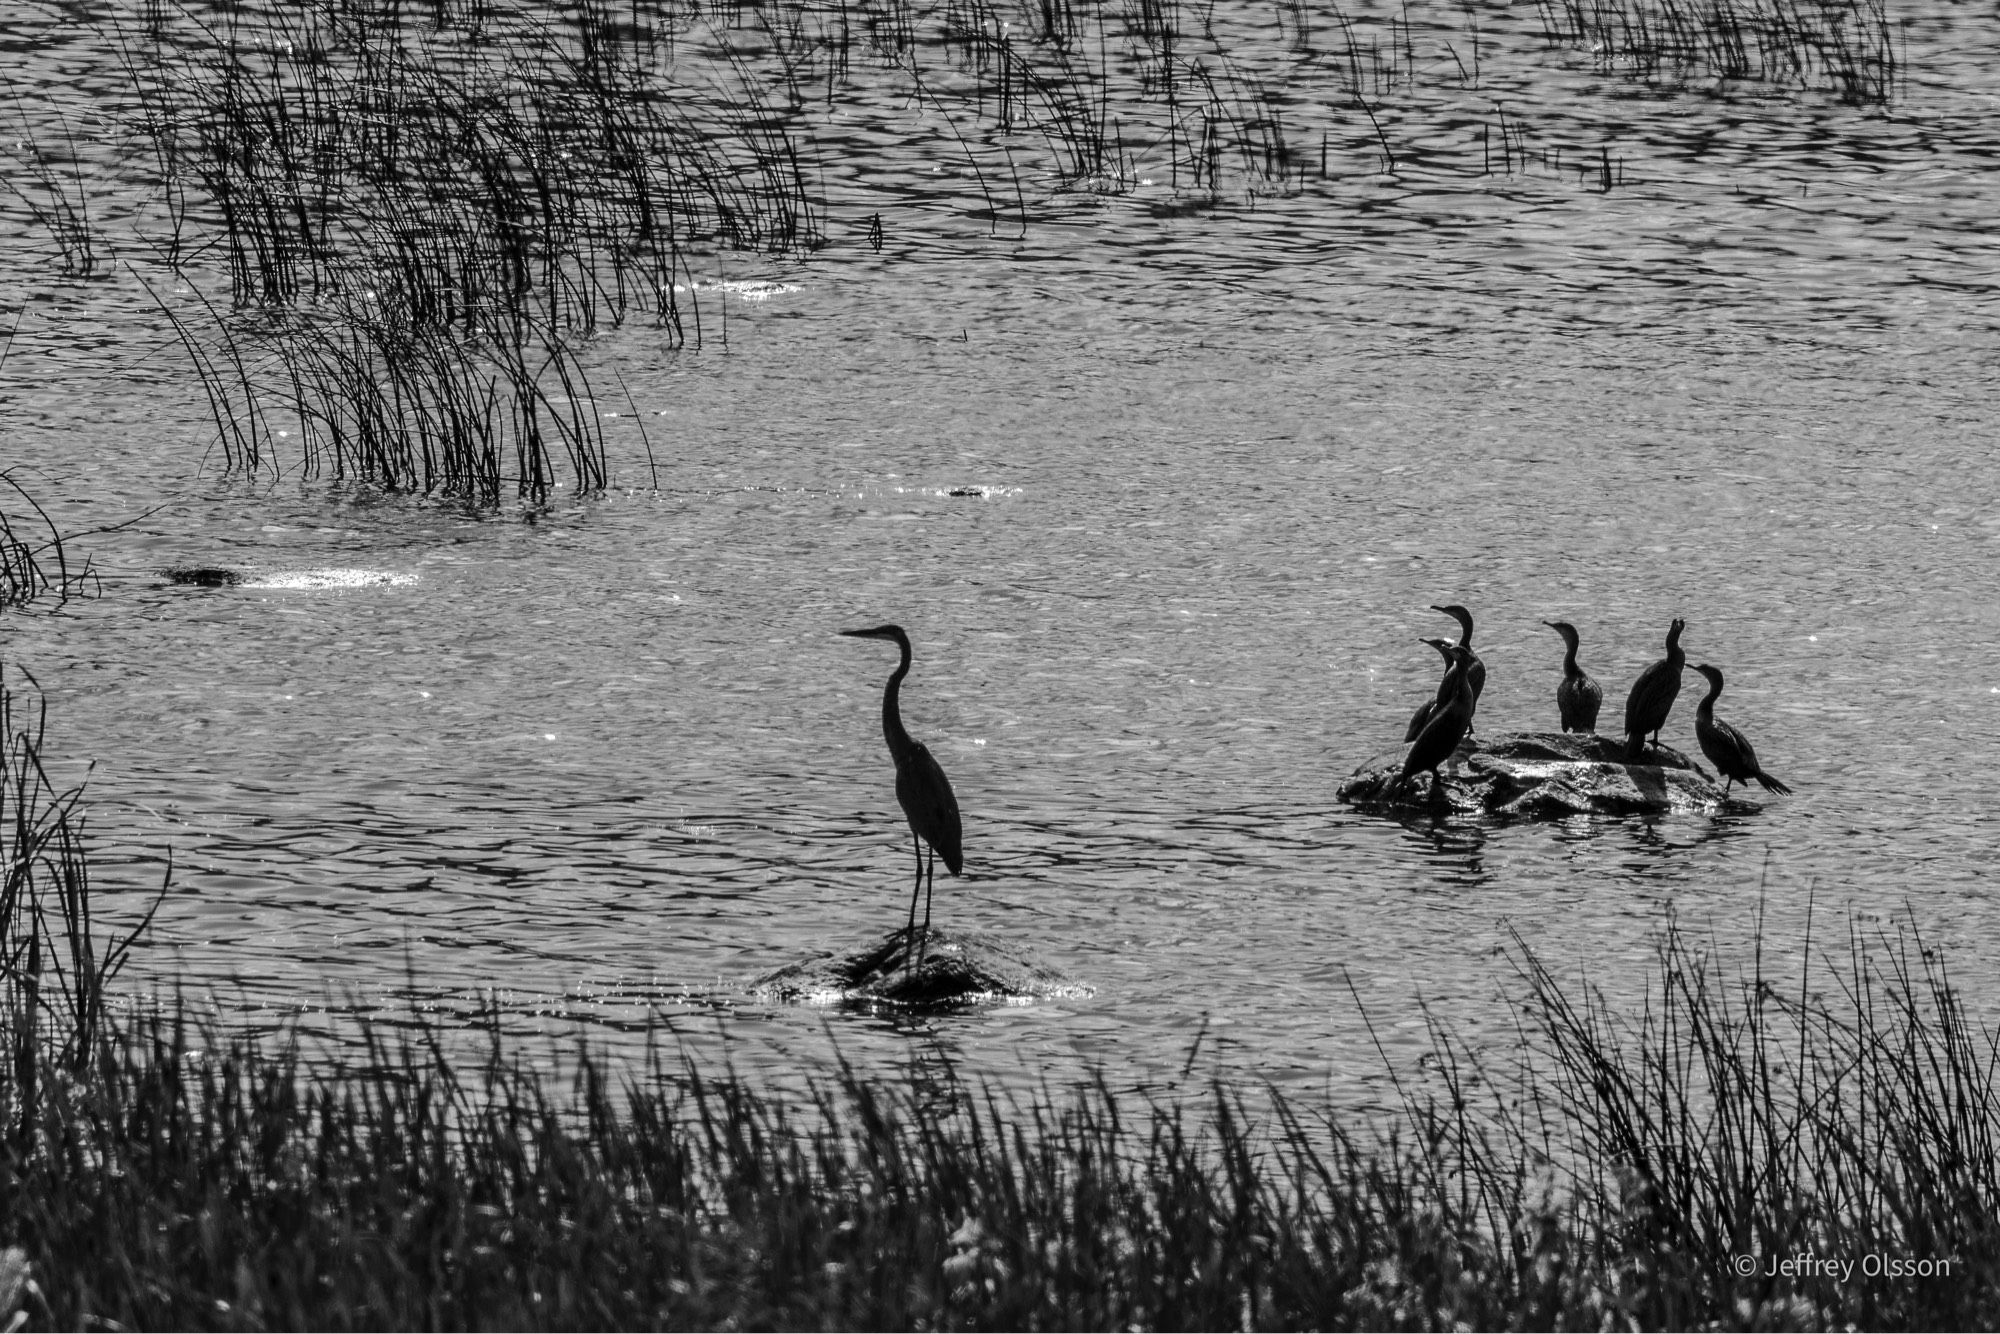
(52,185)
(379,397)
(54,967)
(513,166)
(34,558)
(423,216)
(194,1178)
(1843,46)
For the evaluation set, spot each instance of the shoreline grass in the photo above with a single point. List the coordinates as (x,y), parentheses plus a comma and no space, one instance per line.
(188,1178)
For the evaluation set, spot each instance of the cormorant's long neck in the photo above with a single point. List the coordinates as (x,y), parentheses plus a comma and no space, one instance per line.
(1461,670)
(1674,654)
(1465,633)
(1706,709)
(899,740)
(1570,669)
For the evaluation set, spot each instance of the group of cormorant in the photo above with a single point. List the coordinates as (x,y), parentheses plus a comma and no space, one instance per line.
(1434,733)
(1444,720)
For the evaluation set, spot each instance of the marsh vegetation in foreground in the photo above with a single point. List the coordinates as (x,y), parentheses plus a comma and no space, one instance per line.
(1747,1153)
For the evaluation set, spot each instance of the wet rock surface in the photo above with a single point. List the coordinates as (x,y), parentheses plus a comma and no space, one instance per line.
(1541,775)
(223,576)
(956,968)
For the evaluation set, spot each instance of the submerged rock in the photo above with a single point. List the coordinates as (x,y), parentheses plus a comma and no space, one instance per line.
(1542,774)
(958,968)
(219,576)
(203,576)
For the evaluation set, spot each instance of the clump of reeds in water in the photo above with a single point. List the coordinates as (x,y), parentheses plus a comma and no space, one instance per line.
(523,163)
(1664,1171)
(380,397)
(1844,46)
(34,559)
(422,221)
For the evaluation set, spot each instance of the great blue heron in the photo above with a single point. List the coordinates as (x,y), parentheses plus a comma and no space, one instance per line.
(1727,749)
(1652,697)
(922,790)
(1578,697)
(1447,726)
(1437,701)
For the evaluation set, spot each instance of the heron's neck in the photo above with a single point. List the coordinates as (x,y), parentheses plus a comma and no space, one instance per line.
(899,740)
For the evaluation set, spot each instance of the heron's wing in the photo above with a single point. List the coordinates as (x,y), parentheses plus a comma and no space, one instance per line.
(927,800)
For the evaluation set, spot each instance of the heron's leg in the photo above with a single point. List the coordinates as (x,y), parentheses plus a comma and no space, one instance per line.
(930,878)
(930,884)
(911,929)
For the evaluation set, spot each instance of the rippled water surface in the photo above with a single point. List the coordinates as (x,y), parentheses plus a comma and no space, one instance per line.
(610,760)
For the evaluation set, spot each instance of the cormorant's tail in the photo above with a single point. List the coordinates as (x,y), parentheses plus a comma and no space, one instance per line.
(1772,783)
(1635,746)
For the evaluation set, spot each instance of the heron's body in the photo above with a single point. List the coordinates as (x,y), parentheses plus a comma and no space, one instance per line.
(1476,672)
(922,790)
(1447,726)
(1727,749)
(1435,702)
(1652,697)
(1578,698)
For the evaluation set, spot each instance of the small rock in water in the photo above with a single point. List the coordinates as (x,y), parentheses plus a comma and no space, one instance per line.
(205,576)
(957,968)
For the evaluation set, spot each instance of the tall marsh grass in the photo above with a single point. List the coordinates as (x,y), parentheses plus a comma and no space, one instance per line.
(55,961)
(423,218)
(1743,1153)
(1843,46)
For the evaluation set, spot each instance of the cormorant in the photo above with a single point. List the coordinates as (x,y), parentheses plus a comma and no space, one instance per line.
(1464,619)
(1447,727)
(922,790)
(1437,701)
(1727,749)
(1652,697)
(1578,697)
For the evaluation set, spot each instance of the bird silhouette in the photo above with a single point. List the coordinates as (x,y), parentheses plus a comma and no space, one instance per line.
(1652,697)
(1477,671)
(1727,749)
(1446,728)
(1435,702)
(1578,697)
(922,790)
